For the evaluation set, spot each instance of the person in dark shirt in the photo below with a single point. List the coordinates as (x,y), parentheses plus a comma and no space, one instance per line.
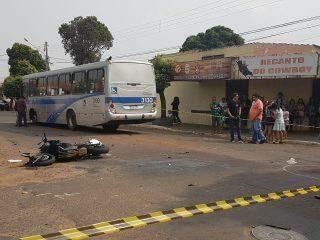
(234,113)
(175,110)
(21,109)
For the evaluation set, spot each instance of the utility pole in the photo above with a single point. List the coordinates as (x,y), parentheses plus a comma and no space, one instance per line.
(47,55)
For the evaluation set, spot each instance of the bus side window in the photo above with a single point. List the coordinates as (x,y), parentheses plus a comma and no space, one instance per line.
(79,82)
(96,80)
(65,84)
(62,84)
(52,89)
(33,89)
(42,86)
(101,80)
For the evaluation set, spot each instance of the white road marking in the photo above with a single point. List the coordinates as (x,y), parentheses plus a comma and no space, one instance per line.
(285,168)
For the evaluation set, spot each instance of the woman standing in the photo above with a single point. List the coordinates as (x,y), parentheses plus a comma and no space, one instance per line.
(279,126)
(175,110)
(301,108)
(268,121)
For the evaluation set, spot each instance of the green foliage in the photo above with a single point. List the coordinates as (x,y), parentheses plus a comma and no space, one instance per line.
(13,87)
(22,67)
(85,39)
(216,37)
(24,60)
(162,68)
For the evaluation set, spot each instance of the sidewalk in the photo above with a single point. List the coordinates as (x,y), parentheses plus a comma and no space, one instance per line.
(306,138)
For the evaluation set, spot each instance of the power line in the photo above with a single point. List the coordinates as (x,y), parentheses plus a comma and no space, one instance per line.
(148,52)
(303,20)
(221,16)
(177,14)
(282,33)
(165,23)
(201,16)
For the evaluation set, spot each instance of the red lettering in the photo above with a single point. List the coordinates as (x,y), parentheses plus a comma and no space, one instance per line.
(309,69)
(262,71)
(294,60)
(301,60)
(287,61)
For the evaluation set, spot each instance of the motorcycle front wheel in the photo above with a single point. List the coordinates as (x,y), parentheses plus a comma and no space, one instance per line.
(41,160)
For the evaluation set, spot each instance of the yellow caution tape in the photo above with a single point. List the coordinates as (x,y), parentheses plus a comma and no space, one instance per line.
(104,228)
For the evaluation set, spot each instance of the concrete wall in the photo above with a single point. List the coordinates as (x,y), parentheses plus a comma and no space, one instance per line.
(195,96)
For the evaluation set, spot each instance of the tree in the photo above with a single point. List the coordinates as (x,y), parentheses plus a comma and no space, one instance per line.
(162,68)
(13,87)
(22,67)
(85,39)
(24,60)
(216,37)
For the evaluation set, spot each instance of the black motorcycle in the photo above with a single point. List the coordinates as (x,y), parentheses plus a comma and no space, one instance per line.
(55,150)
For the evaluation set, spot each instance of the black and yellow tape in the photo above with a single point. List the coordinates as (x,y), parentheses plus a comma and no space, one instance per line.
(168,215)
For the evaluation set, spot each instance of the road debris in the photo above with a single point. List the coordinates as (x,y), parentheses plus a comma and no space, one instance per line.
(14,161)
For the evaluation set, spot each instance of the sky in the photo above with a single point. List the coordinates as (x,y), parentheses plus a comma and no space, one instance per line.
(143,25)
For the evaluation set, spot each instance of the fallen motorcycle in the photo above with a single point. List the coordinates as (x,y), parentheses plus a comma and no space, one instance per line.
(51,151)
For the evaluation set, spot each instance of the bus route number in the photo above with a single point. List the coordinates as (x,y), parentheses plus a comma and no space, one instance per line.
(147,100)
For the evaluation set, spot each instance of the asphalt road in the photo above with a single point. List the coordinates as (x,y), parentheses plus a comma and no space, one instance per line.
(149,170)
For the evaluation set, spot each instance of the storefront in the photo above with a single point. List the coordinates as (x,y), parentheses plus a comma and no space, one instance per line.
(195,82)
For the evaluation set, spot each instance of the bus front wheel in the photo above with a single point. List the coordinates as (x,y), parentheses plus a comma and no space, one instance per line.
(71,120)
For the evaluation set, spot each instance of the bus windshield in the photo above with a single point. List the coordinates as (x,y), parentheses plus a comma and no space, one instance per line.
(131,73)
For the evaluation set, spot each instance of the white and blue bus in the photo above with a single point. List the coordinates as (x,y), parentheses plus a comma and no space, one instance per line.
(105,94)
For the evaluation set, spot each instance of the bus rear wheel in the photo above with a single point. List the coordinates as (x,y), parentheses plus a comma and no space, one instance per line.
(71,120)
(111,127)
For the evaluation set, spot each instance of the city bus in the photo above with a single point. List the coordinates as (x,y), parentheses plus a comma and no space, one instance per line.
(106,94)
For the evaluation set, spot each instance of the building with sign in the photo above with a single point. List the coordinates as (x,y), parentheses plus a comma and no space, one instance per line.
(261,68)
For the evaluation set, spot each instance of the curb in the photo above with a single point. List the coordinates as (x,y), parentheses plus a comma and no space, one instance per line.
(219,136)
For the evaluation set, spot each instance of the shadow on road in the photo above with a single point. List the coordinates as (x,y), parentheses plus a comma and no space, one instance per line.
(53,130)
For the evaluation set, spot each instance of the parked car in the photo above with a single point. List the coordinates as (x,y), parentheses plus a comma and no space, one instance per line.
(4,105)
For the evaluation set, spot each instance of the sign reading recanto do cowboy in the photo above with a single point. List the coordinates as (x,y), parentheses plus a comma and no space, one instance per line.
(285,66)
(202,70)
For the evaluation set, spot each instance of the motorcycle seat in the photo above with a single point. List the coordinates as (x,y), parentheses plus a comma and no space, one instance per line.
(69,148)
